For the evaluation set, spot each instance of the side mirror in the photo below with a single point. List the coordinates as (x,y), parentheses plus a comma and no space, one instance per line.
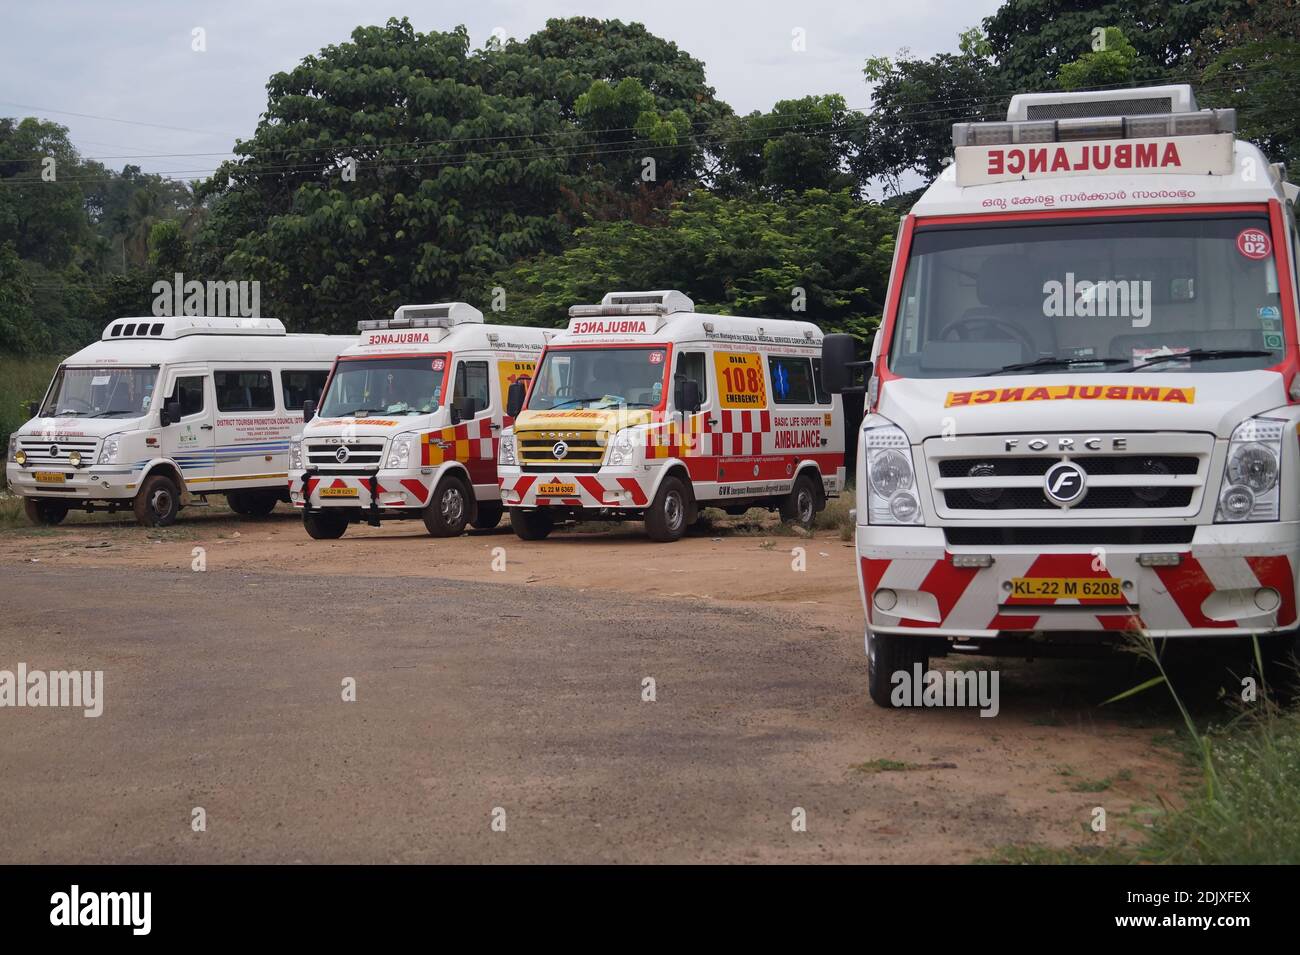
(308,410)
(840,365)
(515,395)
(33,409)
(686,394)
(463,409)
(171,412)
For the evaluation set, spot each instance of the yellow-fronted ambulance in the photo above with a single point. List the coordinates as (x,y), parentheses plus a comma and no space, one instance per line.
(645,409)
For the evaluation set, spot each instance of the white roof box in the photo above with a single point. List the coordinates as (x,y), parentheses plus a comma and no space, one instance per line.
(662,302)
(1145,101)
(440,315)
(178,326)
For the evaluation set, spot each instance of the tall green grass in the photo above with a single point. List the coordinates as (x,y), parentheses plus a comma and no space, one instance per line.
(21,380)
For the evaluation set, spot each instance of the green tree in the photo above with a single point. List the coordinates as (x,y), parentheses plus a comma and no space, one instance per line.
(1111,63)
(1031,40)
(740,255)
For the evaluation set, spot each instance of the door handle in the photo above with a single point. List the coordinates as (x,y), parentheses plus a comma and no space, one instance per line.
(205,427)
(495,427)
(712,422)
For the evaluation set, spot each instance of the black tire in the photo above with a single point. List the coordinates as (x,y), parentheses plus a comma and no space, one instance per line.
(671,512)
(886,655)
(157,502)
(489,515)
(534,525)
(1281,655)
(324,525)
(44,512)
(800,505)
(449,508)
(252,503)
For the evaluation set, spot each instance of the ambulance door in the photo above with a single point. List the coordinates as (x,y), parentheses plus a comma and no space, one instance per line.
(473,382)
(700,452)
(189,441)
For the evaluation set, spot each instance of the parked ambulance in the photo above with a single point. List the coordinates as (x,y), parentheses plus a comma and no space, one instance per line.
(1082,403)
(645,409)
(409,423)
(161,411)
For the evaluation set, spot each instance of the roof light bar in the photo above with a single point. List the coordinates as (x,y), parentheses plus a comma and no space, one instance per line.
(1159,125)
(443,315)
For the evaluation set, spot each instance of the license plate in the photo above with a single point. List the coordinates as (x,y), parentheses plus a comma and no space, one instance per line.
(339,492)
(49,477)
(557,489)
(1108,589)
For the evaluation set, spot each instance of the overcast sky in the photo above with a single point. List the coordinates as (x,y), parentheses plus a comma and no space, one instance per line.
(146,97)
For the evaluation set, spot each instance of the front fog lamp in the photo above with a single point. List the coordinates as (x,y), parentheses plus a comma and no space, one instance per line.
(399,453)
(1252,472)
(75,459)
(506,450)
(891,477)
(112,445)
(20,458)
(621,449)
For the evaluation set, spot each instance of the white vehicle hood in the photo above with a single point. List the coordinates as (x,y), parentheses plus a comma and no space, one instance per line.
(1166,401)
(68,426)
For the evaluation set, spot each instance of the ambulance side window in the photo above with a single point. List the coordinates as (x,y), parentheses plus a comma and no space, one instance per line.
(189,392)
(692,365)
(472,382)
(822,397)
(792,380)
(300,385)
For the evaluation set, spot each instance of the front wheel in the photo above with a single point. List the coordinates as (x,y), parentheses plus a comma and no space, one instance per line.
(800,505)
(448,509)
(532,525)
(669,513)
(888,654)
(489,515)
(324,525)
(158,501)
(45,513)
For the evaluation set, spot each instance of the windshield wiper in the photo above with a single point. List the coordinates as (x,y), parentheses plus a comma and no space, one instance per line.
(105,414)
(1197,354)
(1051,361)
(569,401)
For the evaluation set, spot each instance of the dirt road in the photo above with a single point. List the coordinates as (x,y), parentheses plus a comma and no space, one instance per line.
(517,689)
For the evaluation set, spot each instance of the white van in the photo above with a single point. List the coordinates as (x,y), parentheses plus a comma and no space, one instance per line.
(409,423)
(646,409)
(163,410)
(1082,403)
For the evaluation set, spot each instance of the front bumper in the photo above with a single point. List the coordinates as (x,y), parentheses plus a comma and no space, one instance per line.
(610,487)
(385,490)
(78,484)
(1231,580)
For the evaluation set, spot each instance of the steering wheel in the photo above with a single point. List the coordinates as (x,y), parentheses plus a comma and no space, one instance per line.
(963,330)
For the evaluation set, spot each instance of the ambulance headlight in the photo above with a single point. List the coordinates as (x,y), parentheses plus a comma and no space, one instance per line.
(110,449)
(506,450)
(400,451)
(1252,472)
(891,477)
(13,450)
(295,454)
(622,449)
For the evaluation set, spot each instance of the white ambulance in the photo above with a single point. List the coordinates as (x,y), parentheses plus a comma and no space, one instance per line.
(409,423)
(161,411)
(646,409)
(1083,398)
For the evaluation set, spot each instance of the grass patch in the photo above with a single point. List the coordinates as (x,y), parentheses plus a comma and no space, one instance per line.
(21,380)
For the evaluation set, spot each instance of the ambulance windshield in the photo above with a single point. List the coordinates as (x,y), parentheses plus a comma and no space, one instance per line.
(100,392)
(389,386)
(599,378)
(1144,294)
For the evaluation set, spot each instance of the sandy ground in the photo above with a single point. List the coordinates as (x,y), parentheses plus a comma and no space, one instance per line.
(518,689)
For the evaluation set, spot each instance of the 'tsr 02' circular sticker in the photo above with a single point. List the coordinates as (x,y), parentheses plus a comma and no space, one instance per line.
(1254,244)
